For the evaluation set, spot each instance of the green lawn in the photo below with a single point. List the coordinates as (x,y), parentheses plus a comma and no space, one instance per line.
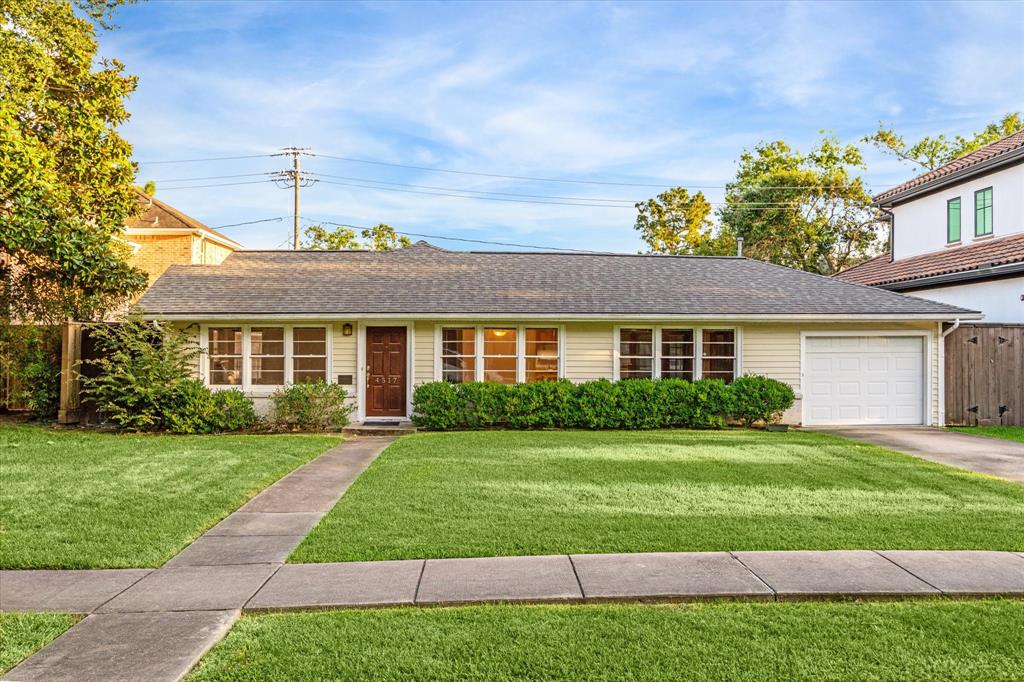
(1007,432)
(978,640)
(22,634)
(513,493)
(78,499)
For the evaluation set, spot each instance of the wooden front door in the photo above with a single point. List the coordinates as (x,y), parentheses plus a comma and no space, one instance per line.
(385,371)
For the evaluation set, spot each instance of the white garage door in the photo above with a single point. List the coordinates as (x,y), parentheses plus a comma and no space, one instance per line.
(864,380)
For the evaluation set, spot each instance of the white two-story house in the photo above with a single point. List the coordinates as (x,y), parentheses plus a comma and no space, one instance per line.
(958,234)
(957,237)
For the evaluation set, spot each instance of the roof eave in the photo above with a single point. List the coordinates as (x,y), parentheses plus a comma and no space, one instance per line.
(578,317)
(973,274)
(980,168)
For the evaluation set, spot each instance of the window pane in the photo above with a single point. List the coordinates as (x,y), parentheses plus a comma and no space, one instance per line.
(500,369)
(677,368)
(542,364)
(226,341)
(267,340)
(458,376)
(225,371)
(953,220)
(541,376)
(459,363)
(636,367)
(309,341)
(268,371)
(718,368)
(677,342)
(458,341)
(983,212)
(499,342)
(636,342)
(542,342)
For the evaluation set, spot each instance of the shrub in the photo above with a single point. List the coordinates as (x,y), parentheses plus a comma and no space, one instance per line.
(601,404)
(315,406)
(191,407)
(31,356)
(760,399)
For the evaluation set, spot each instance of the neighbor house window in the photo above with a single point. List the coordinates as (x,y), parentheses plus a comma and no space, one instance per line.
(541,354)
(677,353)
(225,350)
(309,354)
(718,354)
(636,353)
(983,212)
(500,356)
(953,220)
(508,354)
(458,354)
(267,351)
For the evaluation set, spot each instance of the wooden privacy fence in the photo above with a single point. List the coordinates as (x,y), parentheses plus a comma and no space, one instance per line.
(985,375)
(78,349)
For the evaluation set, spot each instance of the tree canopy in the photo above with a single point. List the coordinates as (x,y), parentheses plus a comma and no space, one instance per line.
(929,153)
(676,222)
(380,237)
(65,174)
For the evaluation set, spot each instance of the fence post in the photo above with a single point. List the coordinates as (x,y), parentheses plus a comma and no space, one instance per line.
(70,386)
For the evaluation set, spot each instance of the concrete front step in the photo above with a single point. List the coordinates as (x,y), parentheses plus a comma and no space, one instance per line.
(402,428)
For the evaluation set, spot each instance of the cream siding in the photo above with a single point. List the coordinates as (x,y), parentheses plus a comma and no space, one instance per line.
(423,352)
(589,350)
(343,349)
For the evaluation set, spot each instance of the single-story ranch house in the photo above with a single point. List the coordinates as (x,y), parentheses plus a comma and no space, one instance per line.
(383,322)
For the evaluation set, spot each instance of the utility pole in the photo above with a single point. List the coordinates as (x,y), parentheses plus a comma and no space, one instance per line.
(294,179)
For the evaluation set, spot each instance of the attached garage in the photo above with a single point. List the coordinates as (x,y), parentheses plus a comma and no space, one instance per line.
(864,379)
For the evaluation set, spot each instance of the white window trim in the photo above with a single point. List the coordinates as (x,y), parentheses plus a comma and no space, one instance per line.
(698,347)
(478,374)
(246,386)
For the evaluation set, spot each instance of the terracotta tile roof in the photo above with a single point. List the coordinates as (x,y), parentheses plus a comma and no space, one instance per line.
(1007,145)
(879,271)
(422,280)
(156,214)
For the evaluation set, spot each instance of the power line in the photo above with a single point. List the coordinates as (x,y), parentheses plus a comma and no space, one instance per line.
(213,158)
(211,177)
(221,184)
(250,222)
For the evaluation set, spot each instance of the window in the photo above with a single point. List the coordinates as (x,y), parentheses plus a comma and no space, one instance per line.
(267,352)
(507,355)
(677,353)
(718,354)
(953,221)
(541,354)
(983,212)
(309,354)
(636,353)
(458,354)
(225,356)
(500,356)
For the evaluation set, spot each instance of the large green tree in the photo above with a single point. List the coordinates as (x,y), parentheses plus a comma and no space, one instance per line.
(930,152)
(380,237)
(676,222)
(806,210)
(65,174)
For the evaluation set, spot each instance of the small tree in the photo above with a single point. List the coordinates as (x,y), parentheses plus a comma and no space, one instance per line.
(676,222)
(929,153)
(380,237)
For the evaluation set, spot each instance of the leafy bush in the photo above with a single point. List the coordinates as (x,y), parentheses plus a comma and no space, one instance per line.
(31,356)
(146,382)
(760,399)
(309,407)
(601,404)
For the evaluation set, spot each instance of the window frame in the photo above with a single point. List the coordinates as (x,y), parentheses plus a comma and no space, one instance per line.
(698,347)
(959,220)
(290,354)
(439,355)
(520,331)
(246,386)
(991,212)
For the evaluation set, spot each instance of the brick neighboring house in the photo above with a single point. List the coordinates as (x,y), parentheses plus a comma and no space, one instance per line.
(161,236)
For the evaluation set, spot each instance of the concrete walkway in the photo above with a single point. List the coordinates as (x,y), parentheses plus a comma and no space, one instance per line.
(993,456)
(155,625)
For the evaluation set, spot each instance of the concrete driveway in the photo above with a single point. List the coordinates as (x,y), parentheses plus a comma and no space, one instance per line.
(994,456)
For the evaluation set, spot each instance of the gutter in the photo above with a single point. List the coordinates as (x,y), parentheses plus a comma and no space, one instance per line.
(955,177)
(956,325)
(983,272)
(527,317)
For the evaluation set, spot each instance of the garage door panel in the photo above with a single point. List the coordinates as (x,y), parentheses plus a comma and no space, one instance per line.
(864,379)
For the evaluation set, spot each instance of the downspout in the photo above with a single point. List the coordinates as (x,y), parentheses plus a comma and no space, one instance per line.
(956,325)
(942,370)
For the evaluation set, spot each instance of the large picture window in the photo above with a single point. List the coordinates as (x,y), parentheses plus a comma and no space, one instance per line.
(983,212)
(675,353)
(262,358)
(504,354)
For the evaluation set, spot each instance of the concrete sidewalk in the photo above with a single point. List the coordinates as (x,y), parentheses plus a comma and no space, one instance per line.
(155,625)
(982,454)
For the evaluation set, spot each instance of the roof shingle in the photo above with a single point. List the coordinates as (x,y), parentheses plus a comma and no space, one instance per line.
(426,280)
(879,271)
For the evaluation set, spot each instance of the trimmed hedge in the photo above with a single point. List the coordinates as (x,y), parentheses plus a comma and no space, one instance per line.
(602,404)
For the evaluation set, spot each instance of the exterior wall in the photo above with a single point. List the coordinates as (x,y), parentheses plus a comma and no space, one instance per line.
(205,252)
(158,252)
(1002,300)
(771,349)
(920,224)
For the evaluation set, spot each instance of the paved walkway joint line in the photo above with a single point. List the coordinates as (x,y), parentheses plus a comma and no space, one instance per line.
(155,625)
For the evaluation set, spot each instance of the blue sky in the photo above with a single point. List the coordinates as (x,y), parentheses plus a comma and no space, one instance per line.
(657,94)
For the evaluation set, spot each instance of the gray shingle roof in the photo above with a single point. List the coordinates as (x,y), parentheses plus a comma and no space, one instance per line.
(427,280)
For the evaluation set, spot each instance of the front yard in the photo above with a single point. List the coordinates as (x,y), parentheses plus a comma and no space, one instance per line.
(946,640)
(76,499)
(22,634)
(1006,432)
(503,493)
